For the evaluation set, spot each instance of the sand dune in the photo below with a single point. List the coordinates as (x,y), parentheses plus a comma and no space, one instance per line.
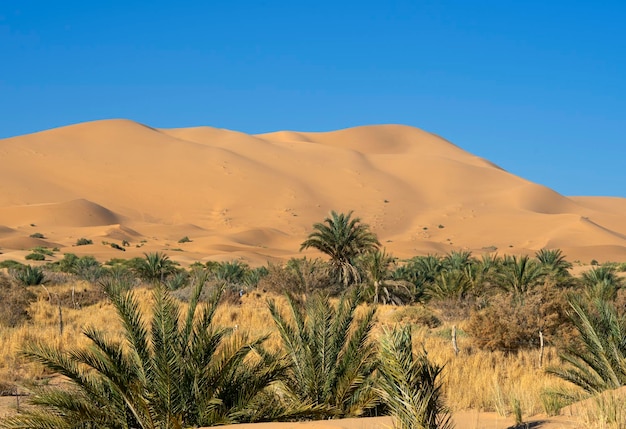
(255,197)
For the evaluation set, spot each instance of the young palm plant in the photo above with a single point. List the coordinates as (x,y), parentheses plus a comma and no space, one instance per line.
(597,362)
(343,239)
(519,275)
(410,384)
(176,371)
(332,358)
(155,267)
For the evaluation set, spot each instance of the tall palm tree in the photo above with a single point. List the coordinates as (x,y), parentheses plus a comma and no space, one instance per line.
(597,362)
(342,238)
(410,384)
(332,358)
(176,371)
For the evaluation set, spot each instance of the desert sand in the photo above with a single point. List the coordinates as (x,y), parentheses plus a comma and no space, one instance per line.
(255,197)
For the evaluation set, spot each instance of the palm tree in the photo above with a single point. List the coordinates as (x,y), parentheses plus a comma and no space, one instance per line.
(332,358)
(155,267)
(601,282)
(410,384)
(457,260)
(554,263)
(177,371)
(377,266)
(519,276)
(597,362)
(451,285)
(343,239)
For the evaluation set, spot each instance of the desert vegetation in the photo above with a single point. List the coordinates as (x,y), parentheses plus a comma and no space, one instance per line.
(359,333)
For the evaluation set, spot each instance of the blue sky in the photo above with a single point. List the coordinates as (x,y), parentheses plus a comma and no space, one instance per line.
(538,87)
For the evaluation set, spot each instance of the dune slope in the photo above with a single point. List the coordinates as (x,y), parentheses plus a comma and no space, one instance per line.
(255,197)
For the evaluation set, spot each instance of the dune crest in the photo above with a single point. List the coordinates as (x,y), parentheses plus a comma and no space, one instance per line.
(204,192)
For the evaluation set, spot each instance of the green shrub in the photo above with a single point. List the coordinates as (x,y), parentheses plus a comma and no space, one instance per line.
(28,275)
(10,264)
(37,235)
(35,257)
(83,242)
(43,250)
(185,239)
(117,247)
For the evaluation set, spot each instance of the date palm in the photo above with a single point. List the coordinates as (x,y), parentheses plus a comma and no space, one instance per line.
(597,360)
(332,357)
(176,371)
(519,275)
(410,384)
(343,239)
(554,263)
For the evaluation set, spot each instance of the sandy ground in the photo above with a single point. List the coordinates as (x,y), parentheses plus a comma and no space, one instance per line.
(462,420)
(255,197)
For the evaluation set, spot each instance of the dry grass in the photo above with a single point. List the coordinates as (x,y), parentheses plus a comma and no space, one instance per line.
(475,379)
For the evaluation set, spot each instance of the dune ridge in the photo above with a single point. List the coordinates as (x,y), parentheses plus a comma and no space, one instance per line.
(255,197)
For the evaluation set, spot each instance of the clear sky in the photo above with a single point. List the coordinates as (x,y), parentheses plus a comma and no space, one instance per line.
(538,87)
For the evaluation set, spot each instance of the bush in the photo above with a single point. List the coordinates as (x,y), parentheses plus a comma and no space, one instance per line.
(37,235)
(417,315)
(28,276)
(117,246)
(11,264)
(14,303)
(35,257)
(83,242)
(510,324)
(281,279)
(185,239)
(42,250)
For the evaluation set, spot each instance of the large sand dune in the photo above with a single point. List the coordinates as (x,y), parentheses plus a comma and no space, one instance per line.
(255,197)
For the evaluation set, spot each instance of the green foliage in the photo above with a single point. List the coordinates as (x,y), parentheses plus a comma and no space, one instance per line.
(596,361)
(554,263)
(83,242)
(155,267)
(37,235)
(35,257)
(410,384)
(11,264)
(343,239)
(450,285)
(377,266)
(332,358)
(28,275)
(178,370)
(519,275)
(42,250)
(117,247)
(602,282)
(232,272)
(185,239)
